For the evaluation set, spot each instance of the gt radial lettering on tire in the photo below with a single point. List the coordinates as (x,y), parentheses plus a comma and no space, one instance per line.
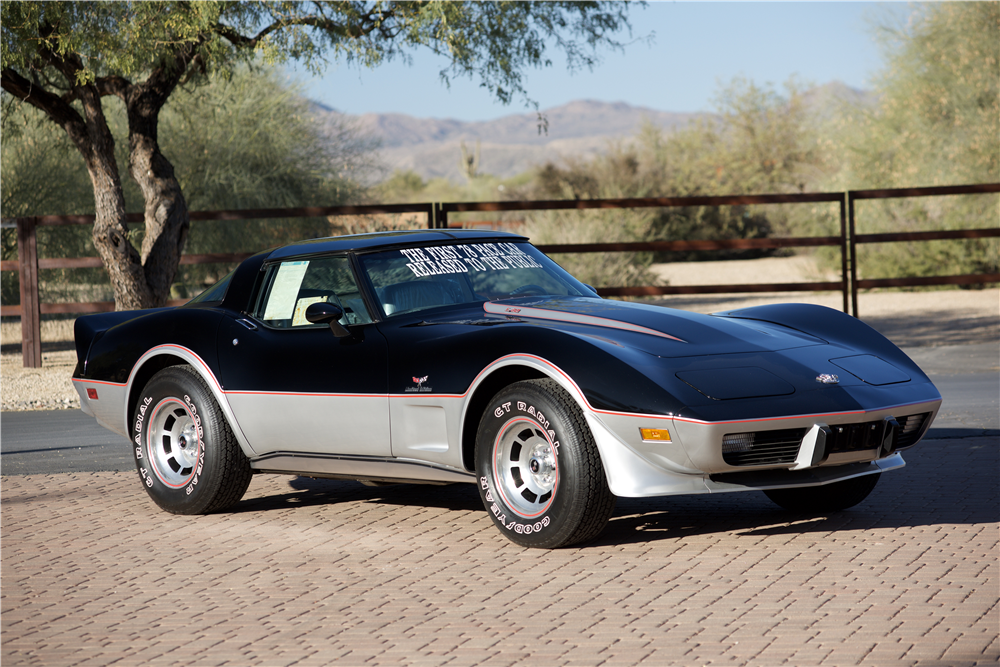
(187,457)
(173,444)
(524,466)
(540,474)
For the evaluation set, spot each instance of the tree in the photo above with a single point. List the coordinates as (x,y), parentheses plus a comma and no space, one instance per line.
(936,122)
(67,58)
(247,140)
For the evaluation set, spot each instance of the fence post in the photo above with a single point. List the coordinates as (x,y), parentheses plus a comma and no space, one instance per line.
(845,285)
(31,328)
(440,216)
(854,253)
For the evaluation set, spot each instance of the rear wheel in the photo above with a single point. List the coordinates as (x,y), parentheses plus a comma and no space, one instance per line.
(186,454)
(540,473)
(827,498)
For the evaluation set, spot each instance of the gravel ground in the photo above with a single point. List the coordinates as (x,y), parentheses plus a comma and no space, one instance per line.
(910,319)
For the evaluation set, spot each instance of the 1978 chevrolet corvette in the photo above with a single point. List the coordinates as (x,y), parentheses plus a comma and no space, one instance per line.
(436,357)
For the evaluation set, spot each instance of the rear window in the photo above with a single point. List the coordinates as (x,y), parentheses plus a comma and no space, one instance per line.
(216,292)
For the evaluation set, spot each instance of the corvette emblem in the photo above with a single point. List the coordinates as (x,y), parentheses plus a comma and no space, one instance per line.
(826,378)
(420,388)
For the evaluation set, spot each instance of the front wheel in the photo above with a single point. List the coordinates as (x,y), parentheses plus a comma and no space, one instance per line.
(827,498)
(187,457)
(540,473)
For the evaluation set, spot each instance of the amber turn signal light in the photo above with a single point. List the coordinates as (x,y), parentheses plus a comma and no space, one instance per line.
(660,434)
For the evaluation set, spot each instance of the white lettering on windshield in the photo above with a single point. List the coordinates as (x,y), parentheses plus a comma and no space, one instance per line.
(469,258)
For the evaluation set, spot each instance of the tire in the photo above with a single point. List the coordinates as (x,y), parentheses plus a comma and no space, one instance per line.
(540,473)
(187,457)
(827,498)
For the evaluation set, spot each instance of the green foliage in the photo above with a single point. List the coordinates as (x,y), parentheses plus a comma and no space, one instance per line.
(938,117)
(494,41)
(39,168)
(759,142)
(937,122)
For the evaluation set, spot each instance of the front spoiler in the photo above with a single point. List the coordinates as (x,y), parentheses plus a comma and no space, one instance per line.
(778,479)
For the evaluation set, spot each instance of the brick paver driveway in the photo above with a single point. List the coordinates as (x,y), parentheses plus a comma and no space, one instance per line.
(317,572)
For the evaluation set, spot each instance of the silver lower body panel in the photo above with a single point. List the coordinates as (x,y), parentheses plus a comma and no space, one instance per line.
(361,468)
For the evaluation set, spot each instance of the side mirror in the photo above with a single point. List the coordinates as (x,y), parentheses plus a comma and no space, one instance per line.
(327,313)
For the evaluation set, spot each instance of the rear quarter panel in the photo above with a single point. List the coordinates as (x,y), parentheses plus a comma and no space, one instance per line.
(120,361)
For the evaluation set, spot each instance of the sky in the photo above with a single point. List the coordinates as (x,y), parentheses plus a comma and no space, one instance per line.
(694,48)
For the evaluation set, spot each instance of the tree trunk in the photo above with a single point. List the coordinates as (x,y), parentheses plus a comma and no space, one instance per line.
(90,134)
(166,212)
(110,233)
(137,280)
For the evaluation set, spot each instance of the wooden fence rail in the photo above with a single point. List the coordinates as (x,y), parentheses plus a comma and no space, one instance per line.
(900,193)
(28,263)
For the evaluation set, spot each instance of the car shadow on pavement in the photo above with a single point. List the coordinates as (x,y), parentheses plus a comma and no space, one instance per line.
(311,491)
(925,492)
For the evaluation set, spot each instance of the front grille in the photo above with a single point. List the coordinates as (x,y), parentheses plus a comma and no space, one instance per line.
(868,435)
(762,447)
(910,429)
(854,437)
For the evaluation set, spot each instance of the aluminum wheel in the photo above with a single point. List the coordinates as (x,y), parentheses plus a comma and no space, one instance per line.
(525,466)
(173,443)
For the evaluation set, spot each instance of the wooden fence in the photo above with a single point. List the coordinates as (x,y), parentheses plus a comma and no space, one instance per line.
(28,263)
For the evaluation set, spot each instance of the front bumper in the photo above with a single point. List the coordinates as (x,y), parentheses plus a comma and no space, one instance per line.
(692,460)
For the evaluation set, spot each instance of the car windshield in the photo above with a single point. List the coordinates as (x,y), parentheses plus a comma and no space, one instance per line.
(412,279)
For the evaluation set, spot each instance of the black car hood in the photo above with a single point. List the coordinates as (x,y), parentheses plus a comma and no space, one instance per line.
(660,331)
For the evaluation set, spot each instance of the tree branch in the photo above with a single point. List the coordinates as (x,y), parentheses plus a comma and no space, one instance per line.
(117,86)
(368,24)
(54,106)
(164,78)
(69,66)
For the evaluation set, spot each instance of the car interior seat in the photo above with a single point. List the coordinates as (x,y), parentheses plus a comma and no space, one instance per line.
(416,295)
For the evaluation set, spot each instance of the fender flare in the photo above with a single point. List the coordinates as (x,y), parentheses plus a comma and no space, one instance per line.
(617,458)
(204,371)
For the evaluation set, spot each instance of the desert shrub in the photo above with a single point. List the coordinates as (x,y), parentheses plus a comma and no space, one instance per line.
(759,142)
(613,269)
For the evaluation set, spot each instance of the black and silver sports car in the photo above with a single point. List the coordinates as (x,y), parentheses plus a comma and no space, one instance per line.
(437,357)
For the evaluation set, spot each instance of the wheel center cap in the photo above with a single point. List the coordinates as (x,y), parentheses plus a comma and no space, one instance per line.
(182,441)
(534,465)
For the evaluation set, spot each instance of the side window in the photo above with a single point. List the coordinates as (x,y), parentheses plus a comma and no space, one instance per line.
(291,287)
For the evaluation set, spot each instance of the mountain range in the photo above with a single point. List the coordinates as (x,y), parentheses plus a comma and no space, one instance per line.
(514,144)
